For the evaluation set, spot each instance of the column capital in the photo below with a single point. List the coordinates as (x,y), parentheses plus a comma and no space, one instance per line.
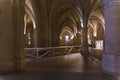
(110,3)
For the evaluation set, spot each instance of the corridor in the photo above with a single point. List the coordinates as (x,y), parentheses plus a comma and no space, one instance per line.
(57,34)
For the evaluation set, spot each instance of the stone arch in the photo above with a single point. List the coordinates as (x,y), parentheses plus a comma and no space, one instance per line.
(29,36)
(100,32)
(69,32)
(41,20)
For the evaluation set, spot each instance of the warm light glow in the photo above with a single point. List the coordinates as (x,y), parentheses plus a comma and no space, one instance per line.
(29,39)
(72,37)
(34,26)
(24,30)
(66,39)
(29,42)
(95,31)
(88,36)
(95,34)
(82,24)
(28,35)
(28,3)
(99,44)
(60,37)
(25,22)
(89,41)
(31,15)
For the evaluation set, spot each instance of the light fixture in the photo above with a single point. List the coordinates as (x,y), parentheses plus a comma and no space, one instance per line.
(66,39)
(95,34)
(72,36)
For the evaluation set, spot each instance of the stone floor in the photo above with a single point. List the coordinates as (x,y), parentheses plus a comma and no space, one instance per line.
(58,76)
(69,67)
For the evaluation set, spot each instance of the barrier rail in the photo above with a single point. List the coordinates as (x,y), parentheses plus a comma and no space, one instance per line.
(41,52)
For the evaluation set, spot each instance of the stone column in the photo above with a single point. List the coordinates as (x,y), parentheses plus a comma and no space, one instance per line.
(35,38)
(18,34)
(78,38)
(41,20)
(11,35)
(75,39)
(84,44)
(111,57)
(84,41)
(6,60)
(55,37)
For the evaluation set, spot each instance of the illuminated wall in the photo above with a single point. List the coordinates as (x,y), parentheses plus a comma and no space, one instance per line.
(66,36)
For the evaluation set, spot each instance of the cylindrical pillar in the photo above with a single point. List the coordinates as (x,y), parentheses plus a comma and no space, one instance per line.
(35,38)
(111,57)
(41,32)
(18,34)
(84,44)
(84,39)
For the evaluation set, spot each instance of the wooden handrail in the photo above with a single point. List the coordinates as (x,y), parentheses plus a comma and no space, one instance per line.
(69,48)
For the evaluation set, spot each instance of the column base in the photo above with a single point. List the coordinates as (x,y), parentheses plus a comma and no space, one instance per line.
(84,53)
(6,66)
(111,64)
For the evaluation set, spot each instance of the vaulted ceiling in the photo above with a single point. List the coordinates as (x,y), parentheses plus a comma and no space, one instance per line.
(67,12)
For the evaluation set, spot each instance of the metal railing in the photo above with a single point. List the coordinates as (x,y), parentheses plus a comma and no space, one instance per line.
(51,51)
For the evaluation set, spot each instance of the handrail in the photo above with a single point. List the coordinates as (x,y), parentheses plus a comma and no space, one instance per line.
(50,48)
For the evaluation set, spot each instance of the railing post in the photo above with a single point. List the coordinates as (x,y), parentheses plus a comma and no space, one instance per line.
(37,55)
